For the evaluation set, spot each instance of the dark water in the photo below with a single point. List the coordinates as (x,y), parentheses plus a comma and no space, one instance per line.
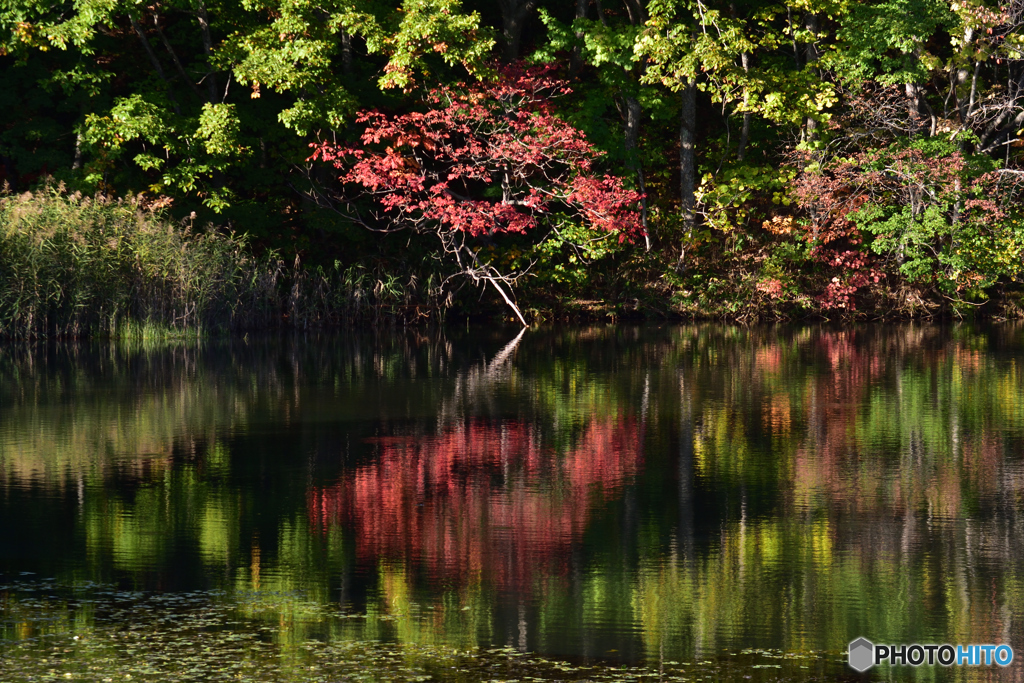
(645,496)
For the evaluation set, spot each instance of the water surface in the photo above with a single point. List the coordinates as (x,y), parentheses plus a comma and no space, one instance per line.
(650,496)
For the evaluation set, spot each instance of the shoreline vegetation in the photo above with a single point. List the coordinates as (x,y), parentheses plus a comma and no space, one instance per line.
(214,165)
(73,266)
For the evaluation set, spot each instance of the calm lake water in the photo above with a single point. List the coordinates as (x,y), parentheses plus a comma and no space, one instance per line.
(662,497)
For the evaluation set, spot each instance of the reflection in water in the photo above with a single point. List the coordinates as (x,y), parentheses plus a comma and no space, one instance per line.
(636,493)
(481,499)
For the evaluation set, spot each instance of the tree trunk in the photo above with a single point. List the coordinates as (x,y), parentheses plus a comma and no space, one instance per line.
(204,25)
(633,114)
(962,103)
(77,163)
(346,53)
(576,61)
(745,63)
(513,17)
(174,56)
(745,131)
(811,55)
(792,33)
(687,162)
(156,63)
(912,108)
(635,10)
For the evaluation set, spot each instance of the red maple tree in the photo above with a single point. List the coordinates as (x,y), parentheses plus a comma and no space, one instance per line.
(480,160)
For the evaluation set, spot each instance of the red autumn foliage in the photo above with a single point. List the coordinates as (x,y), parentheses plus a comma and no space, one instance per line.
(963,195)
(829,198)
(479,160)
(436,500)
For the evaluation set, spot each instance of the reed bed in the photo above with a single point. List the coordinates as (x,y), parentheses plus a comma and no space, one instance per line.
(74,266)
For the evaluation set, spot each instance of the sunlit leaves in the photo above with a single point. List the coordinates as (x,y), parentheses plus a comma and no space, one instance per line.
(485,159)
(726,199)
(937,215)
(299,50)
(219,131)
(188,152)
(132,118)
(42,25)
(701,44)
(886,41)
(434,27)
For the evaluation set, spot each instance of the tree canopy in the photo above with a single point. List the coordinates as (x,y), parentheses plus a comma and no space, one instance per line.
(717,133)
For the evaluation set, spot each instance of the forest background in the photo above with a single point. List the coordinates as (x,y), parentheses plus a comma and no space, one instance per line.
(239,163)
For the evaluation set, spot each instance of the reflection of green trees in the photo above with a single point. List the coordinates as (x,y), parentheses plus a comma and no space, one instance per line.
(793,481)
(872,421)
(887,458)
(861,480)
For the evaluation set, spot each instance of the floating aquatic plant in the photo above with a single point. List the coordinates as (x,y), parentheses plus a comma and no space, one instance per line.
(102,634)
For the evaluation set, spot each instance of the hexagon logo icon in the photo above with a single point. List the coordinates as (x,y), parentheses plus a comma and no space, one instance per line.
(862,654)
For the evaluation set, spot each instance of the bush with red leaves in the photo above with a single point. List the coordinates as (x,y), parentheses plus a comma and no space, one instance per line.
(924,213)
(479,161)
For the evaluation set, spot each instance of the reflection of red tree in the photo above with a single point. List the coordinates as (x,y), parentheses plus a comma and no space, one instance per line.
(480,495)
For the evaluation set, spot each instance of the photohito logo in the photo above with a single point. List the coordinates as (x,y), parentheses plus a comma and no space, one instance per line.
(863,654)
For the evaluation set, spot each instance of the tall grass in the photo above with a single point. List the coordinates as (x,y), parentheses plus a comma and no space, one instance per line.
(332,296)
(74,266)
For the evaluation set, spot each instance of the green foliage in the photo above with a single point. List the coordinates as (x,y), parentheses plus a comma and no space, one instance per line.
(573,256)
(886,41)
(705,45)
(188,152)
(299,51)
(171,97)
(601,43)
(727,197)
(219,131)
(932,209)
(215,103)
